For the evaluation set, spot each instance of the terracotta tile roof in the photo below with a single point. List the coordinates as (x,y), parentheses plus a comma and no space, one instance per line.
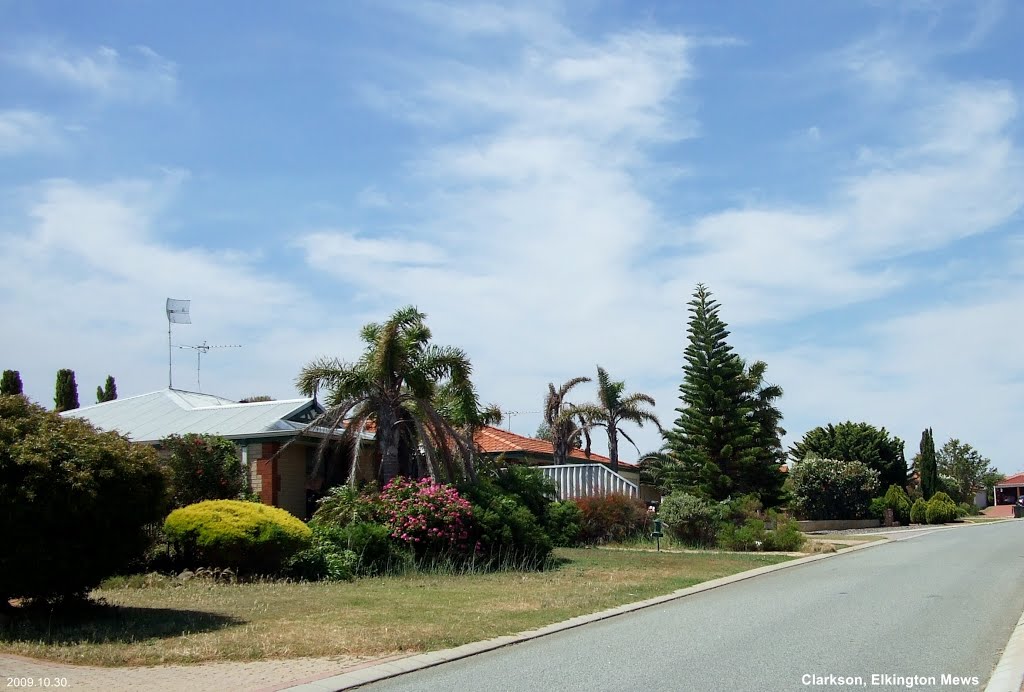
(493,440)
(1016,479)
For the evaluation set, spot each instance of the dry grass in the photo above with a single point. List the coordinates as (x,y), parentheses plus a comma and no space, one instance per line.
(847,537)
(204,621)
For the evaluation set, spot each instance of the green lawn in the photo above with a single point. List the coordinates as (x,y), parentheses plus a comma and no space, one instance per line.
(203,621)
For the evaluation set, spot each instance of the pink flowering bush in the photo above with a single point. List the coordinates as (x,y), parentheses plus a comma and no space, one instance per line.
(431,518)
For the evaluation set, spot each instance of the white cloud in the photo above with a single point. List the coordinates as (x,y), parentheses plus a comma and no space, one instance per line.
(485,19)
(557,256)
(343,251)
(23,131)
(139,74)
(84,277)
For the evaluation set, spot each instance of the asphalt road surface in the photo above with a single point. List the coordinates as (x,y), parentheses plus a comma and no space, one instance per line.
(938,604)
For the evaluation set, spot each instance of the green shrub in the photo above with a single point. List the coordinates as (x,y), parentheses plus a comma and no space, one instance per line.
(203,467)
(786,535)
(941,509)
(376,552)
(877,507)
(749,536)
(919,512)
(898,501)
(739,509)
(530,487)
(967,509)
(832,489)
(245,536)
(506,532)
(74,502)
(564,523)
(612,518)
(323,560)
(690,519)
(344,505)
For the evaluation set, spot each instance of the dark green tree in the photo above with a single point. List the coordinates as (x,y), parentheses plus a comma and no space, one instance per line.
(765,474)
(66,395)
(965,465)
(74,502)
(10,383)
(713,439)
(927,470)
(108,392)
(857,442)
(202,467)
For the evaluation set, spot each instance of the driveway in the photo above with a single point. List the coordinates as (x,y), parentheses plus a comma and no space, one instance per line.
(929,612)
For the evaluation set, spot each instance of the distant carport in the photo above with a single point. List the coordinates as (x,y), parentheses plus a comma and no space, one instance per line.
(1010,490)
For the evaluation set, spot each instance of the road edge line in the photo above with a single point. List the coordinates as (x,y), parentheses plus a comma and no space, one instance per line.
(1008,675)
(415,662)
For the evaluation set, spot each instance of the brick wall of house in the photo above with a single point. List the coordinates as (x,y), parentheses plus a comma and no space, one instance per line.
(291,467)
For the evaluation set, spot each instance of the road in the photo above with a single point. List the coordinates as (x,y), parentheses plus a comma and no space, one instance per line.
(939,604)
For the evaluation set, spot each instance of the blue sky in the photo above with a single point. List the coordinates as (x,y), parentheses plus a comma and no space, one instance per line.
(548,182)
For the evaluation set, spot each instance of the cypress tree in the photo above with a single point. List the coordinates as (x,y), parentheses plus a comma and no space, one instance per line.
(108,392)
(10,383)
(66,396)
(713,437)
(927,467)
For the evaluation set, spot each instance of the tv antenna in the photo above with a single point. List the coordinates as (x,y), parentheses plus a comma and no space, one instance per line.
(509,414)
(177,313)
(200,350)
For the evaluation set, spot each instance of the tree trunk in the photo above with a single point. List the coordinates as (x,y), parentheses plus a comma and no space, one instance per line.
(613,448)
(388,438)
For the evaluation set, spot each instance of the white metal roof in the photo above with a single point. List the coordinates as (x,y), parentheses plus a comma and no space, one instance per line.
(152,417)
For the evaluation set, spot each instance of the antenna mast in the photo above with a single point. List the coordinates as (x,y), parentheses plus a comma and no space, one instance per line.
(177,313)
(200,350)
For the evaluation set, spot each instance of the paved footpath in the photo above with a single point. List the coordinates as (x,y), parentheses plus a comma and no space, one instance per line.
(255,676)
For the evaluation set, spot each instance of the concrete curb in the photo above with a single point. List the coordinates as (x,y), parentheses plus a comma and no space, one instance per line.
(416,662)
(1008,675)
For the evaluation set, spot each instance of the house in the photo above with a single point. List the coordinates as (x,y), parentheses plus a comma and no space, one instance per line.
(277,447)
(281,453)
(1009,490)
(581,476)
(493,441)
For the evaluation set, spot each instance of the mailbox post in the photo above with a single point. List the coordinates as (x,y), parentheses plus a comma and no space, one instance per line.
(656,534)
(652,507)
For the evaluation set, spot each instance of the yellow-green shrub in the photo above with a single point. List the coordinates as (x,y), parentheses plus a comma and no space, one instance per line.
(919,512)
(246,536)
(941,509)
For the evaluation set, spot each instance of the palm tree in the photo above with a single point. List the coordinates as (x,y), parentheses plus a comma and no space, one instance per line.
(564,420)
(394,385)
(614,408)
(764,478)
(461,408)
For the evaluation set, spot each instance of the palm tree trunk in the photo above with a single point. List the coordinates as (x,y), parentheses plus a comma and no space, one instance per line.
(613,448)
(388,438)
